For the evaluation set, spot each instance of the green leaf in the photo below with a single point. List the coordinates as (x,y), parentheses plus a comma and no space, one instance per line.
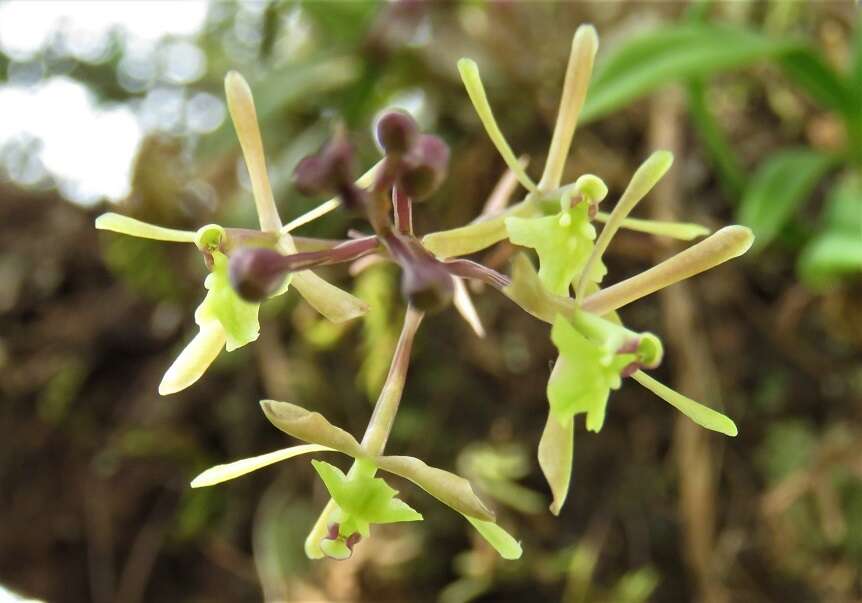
(778,188)
(673,53)
(836,251)
(829,257)
(843,212)
(237,316)
(724,158)
(497,537)
(563,242)
(583,376)
(818,79)
(700,414)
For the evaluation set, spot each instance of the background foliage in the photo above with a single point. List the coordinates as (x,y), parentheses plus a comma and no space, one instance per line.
(760,102)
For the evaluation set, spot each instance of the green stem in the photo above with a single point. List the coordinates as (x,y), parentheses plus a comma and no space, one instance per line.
(383,417)
(380,425)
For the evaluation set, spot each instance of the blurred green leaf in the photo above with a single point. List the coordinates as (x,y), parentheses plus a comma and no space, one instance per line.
(837,251)
(788,447)
(778,188)
(344,22)
(674,53)
(725,160)
(830,256)
(856,64)
(808,69)
(637,586)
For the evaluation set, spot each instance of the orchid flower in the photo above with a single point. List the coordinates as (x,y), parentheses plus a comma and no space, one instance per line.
(595,351)
(359,499)
(224,319)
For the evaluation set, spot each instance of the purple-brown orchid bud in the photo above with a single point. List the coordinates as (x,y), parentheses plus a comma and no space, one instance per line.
(424,167)
(427,284)
(329,170)
(397,132)
(256,272)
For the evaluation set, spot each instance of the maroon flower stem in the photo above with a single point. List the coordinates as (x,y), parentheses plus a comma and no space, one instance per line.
(403,211)
(344,252)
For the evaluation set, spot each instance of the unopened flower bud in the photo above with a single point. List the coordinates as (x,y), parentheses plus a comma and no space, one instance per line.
(427,285)
(256,272)
(397,132)
(352,197)
(326,171)
(425,167)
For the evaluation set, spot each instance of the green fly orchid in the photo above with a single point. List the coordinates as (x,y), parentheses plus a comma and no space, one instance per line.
(224,319)
(595,351)
(359,499)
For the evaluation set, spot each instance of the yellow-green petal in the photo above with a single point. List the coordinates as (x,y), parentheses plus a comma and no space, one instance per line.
(497,537)
(310,427)
(194,360)
(555,458)
(469,71)
(700,414)
(450,489)
(335,304)
(228,471)
(143,230)
(683,231)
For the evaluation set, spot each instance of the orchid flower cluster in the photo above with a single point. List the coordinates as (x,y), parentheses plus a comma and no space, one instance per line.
(557,221)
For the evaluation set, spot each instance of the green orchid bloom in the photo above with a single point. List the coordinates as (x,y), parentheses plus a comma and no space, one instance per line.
(595,350)
(361,499)
(224,319)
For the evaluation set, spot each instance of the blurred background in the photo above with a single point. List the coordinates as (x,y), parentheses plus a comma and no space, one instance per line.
(119,106)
